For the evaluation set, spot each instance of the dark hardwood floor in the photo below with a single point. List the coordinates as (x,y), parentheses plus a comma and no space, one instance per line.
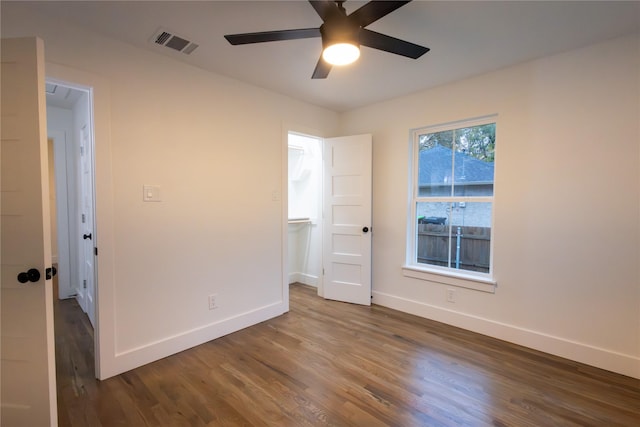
(330,363)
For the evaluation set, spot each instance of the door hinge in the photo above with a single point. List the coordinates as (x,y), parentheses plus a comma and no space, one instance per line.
(95,251)
(84,218)
(82,150)
(84,284)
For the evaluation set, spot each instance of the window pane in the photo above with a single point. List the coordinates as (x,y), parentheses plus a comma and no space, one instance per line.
(431,140)
(471,214)
(457,162)
(434,168)
(455,235)
(433,245)
(473,162)
(471,236)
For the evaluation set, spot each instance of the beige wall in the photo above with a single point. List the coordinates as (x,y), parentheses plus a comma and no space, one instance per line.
(567,203)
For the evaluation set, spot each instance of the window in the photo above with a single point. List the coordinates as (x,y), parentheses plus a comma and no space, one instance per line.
(452,198)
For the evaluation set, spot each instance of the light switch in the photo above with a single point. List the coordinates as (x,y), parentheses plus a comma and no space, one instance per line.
(151,193)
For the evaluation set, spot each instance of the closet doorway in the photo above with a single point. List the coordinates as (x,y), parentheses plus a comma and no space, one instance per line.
(304,228)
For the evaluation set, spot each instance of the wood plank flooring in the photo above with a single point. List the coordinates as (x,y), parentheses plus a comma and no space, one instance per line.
(327,363)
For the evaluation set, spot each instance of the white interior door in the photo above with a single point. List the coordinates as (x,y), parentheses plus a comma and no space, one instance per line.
(28,391)
(347,219)
(87,300)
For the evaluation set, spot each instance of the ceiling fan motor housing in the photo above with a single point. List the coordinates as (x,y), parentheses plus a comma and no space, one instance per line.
(340,30)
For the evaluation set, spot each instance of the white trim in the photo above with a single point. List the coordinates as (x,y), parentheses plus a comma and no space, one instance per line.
(625,364)
(445,275)
(284,215)
(448,199)
(132,358)
(457,124)
(451,278)
(104,335)
(305,279)
(59,137)
(291,128)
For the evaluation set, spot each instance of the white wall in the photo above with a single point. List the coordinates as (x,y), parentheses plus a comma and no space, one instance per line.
(567,203)
(214,146)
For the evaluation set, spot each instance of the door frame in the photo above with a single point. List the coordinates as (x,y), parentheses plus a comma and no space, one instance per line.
(76,228)
(288,128)
(106,364)
(59,138)
(313,229)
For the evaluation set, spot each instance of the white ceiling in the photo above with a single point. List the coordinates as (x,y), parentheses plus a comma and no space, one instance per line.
(62,96)
(466,38)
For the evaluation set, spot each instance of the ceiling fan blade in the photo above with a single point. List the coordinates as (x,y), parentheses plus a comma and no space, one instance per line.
(391,44)
(322,69)
(374,10)
(272,36)
(325,8)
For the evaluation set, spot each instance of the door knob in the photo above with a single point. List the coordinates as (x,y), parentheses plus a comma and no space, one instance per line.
(86,236)
(365,229)
(33,275)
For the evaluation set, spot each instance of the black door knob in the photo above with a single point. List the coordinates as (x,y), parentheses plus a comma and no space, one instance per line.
(86,236)
(33,275)
(365,229)
(50,272)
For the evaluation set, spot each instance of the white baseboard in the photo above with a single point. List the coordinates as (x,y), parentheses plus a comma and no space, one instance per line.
(293,277)
(624,364)
(136,357)
(305,279)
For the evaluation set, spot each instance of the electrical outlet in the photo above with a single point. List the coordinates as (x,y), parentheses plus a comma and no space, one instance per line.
(212,302)
(451,295)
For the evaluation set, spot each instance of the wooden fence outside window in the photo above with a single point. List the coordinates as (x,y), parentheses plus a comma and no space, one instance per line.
(475,245)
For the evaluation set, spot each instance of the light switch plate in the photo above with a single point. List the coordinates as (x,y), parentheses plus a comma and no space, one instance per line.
(151,193)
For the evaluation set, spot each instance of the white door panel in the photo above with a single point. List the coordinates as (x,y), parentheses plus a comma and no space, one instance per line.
(28,394)
(87,230)
(347,203)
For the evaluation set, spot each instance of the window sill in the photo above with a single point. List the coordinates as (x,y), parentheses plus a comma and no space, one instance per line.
(462,280)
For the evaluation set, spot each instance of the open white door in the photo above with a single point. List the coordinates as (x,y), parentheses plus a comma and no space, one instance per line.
(86,294)
(347,219)
(27,356)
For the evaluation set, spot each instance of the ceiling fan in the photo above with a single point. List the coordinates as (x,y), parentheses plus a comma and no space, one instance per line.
(341,34)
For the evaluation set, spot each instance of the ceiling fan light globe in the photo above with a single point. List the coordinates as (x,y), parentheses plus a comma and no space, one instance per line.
(341,53)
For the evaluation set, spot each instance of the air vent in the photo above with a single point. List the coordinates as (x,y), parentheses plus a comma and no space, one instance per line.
(167,39)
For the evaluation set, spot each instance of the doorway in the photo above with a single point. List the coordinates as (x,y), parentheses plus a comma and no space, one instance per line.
(70,130)
(304,225)
(329,199)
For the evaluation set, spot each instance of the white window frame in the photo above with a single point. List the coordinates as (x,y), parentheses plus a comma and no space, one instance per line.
(445,275)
